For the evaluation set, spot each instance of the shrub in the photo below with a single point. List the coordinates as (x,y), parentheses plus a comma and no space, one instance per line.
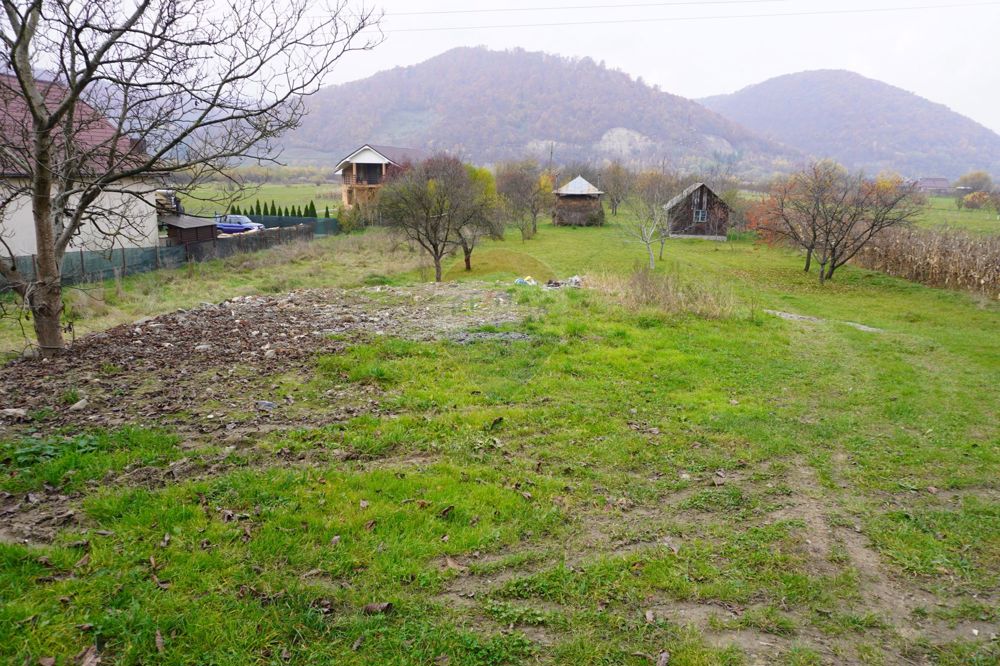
(663,291)
(977,200)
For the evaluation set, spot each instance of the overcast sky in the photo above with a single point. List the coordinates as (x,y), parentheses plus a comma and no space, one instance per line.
(946,52)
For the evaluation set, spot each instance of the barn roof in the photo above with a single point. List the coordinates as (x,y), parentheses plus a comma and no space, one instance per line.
(578,187)
(680,197)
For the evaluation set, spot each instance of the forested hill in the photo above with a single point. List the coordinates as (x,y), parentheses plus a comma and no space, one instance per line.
(490,105)
(862,123)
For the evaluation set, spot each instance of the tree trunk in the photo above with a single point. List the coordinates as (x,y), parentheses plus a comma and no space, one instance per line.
(652,262)
(45,299)
(663,242)
(46,306)
(829,273)
(809,256)
(437,269)
(467,251)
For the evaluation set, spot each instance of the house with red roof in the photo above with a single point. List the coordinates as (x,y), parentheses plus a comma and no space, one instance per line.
(124,215)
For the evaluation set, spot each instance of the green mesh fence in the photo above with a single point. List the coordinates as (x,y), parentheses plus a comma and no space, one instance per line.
(93,266)
(323,226)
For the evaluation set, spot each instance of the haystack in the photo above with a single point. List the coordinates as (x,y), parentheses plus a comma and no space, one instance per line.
(578,204)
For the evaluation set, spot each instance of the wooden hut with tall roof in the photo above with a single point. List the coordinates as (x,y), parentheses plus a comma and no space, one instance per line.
(698,212)
(578,204)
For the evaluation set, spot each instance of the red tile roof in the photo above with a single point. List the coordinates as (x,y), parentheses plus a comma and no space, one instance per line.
(94,137)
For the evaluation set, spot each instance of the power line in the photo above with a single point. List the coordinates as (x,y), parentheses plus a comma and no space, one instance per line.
(677,19)
(497,10)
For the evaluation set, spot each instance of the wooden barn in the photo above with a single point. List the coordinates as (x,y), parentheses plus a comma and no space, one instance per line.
(698,212)
(578,204)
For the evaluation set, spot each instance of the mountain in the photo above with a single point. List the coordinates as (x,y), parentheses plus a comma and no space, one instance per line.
(862,123)
(488,105)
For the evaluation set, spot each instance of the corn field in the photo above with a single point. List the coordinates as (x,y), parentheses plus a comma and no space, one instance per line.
(940,258)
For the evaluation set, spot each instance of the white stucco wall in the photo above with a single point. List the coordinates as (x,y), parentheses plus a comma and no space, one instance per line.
(18,228)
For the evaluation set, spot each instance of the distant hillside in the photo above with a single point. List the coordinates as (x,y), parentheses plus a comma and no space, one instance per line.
(862,123)
(488,105)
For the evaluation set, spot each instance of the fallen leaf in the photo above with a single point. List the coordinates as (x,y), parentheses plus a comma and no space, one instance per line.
(335,540)
(166,540)
(159,641)
(378,608)
(82,562)
(285,654)
(311,573)
(445,511)
(162,584)
(364,504)
(663,658)
(442,660)
(650,617)
(444,538)
(357,643)
(89,657)
(452,564)
(370,525)
(46,661)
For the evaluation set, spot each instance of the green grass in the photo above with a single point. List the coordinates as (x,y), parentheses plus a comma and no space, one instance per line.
(942,212)
(590,501)
(205,200)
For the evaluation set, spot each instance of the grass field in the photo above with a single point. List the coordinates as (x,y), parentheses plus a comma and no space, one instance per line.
(598,482)
(204,201)
(942,212)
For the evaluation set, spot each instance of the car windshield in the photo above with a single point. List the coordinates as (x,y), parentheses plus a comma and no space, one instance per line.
(238,219)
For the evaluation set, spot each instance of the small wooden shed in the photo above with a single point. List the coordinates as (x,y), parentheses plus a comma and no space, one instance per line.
(698,212)
(578,204)
(184,229)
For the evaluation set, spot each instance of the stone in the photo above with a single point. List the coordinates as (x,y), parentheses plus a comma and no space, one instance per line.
(79,406)
(15,413)
(203,348)
(266,405)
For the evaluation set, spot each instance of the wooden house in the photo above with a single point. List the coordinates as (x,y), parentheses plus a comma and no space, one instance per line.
(578,204)
(698,212)
(364,170)
(184,229)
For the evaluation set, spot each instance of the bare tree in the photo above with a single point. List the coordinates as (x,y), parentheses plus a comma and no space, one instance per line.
(648,222)
(441,205)
(617,181)
(832,214)
(527,191)
(104,97)
(795,206)
(867,208)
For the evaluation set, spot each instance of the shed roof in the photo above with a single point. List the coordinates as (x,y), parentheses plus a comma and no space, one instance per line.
(188,221)
(578,187)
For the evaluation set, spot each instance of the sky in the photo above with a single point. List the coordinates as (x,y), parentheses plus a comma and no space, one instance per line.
(944,50)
